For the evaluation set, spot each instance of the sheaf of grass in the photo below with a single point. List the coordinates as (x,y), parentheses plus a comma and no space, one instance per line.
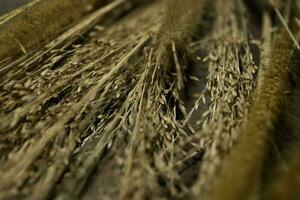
(242,168)
(38,24)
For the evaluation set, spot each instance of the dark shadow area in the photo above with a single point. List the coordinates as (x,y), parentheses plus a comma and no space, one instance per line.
(9,5)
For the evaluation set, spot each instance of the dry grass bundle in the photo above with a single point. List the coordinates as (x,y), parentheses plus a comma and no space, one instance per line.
(245,160)
(114,95)
(283,185)
(156,136)
(230,83)
(68,113)
(175,32)
(39,22)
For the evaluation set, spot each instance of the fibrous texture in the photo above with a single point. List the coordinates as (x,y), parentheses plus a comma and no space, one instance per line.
(145,99)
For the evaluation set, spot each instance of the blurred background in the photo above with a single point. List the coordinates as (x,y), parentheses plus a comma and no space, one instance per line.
(9,5)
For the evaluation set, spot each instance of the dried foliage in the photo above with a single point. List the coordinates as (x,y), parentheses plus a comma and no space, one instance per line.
(38,24)
(103,110)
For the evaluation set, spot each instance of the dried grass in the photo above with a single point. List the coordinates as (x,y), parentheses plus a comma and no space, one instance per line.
(245,160)
(39,22)
(119,93)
